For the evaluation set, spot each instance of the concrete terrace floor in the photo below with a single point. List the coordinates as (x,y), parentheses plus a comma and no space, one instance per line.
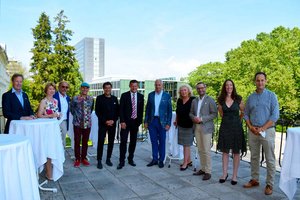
(141,182)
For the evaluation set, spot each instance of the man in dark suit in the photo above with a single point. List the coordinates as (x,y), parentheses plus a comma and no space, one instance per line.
(15,103)
(158,120)
(107,111)
(63,107)
(131,117)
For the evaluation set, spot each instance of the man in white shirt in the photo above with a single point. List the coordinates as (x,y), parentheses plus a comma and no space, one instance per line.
(63,106)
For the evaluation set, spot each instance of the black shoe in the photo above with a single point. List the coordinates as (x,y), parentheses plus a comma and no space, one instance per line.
(99,165)
(184,168)
(132,163)
(161,164)
(233,182)
(120,166)
(223,180)
(109,163)
(190,164)
(152,163)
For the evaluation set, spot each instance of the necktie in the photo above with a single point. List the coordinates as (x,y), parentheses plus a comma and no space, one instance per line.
(133,104)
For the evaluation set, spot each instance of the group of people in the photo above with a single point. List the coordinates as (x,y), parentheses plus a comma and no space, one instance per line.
(194,118)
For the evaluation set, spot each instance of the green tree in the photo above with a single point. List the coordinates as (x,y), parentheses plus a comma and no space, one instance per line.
(53,58)
(64,61)
(276,53)
(41,61)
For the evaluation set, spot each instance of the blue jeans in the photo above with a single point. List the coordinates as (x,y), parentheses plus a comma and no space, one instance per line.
(158,139)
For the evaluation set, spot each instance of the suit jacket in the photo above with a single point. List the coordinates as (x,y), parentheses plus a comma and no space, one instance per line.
(56,96)
(12,108)
(126,107)
(165,109)
(208,112)
(107,109)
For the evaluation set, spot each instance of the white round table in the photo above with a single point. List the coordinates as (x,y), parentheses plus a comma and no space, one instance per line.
(45,137)
(17,170)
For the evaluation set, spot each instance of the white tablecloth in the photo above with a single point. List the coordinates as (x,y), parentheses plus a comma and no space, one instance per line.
(173,148)
(45,138)
(17,171)
(93,133)
(290,170)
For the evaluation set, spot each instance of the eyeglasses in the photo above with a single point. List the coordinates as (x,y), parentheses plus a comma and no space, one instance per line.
(67,87)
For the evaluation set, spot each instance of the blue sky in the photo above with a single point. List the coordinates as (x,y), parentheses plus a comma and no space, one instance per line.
(150,38)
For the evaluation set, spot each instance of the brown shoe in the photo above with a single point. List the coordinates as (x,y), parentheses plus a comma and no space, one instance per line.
(206,177)
(199,173)
(268,190)
(251,183)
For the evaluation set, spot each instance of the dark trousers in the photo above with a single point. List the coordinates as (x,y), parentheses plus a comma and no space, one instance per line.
(78,134)
(132,127)
(158,139)
(111,131)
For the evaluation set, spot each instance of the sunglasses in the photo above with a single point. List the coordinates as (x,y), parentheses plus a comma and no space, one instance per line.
(67,87)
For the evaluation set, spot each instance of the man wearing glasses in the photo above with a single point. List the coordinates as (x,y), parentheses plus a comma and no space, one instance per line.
(63,107)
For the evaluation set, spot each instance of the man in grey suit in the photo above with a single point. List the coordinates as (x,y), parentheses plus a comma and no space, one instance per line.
(203,111)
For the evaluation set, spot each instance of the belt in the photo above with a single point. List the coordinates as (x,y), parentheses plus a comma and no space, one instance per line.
(157,117)
(267,128)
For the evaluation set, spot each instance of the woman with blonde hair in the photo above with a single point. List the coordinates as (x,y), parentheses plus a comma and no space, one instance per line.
(184,123)
(48,108)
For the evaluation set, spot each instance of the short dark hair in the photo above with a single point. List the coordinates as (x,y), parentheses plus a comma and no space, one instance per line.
(260,73)
(201,83)
(133,81)
(49,85)
(15,76)
(106,83)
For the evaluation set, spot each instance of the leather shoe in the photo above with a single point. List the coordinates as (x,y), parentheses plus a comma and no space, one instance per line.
(99,165)
(132,163)
(251,183)
(233,182)
(268,190)
(161,164)
(206,177)
(120,166)
(199,173)
(223,180)
(109,163)
(152,163)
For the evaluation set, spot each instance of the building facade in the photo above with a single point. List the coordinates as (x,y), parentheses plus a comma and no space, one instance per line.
(4,76)
(121,85)
(90,55)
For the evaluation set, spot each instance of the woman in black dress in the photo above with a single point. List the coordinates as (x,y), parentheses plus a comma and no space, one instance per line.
(184,123)
(231,134)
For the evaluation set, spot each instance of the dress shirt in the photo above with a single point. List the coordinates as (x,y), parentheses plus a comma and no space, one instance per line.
(19,95)
(64,105)
(199,105)
(262,107)
(157,100)
(131,93)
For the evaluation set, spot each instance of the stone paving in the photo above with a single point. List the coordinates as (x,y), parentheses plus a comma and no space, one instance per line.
(141,182)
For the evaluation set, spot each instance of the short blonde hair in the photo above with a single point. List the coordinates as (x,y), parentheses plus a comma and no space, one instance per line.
(185,86)
(49,85)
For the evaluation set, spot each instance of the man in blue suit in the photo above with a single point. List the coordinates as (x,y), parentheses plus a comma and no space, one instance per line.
(158,120)
(63,107)
(15,103)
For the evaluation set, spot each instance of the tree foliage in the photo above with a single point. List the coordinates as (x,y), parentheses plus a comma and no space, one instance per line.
(276,53)
(53,58)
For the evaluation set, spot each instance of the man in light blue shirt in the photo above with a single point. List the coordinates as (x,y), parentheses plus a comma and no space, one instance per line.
(15,103)
(261,114)
(158,120)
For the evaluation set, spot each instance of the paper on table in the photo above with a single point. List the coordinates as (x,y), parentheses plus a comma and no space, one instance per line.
(263,133)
